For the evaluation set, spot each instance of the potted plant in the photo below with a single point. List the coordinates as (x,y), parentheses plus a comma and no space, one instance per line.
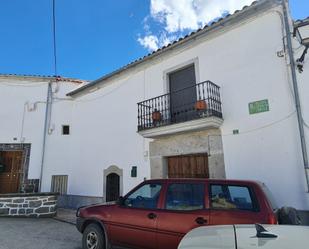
(200,105)
(156,116)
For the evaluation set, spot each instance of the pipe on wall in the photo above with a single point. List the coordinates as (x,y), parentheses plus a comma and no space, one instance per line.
(46,126)
(296,91)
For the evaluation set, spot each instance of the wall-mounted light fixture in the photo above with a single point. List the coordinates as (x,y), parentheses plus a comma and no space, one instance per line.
(301,32)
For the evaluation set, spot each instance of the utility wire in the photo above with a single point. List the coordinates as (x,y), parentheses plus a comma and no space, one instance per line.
(49,98)
(54,39)
(261,127)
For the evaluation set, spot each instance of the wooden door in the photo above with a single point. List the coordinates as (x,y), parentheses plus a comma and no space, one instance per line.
(112,187)
(183,94)
(188,166)
(10,178)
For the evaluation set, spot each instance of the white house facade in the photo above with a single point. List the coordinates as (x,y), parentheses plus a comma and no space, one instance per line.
(219,103)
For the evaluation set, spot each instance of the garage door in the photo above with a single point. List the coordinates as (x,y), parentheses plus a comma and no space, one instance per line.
(188,166)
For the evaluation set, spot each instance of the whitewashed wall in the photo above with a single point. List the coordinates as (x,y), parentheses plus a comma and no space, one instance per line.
(15,93)
(244,62)
(20,124)
(103,133)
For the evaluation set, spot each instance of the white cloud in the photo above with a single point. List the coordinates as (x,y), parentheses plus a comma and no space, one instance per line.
(179,16)
(150,42)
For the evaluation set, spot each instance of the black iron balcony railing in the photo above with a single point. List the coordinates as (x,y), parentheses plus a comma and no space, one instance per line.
(199,101)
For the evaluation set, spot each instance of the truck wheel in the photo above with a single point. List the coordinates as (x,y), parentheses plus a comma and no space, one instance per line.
(93,237)
(288,216)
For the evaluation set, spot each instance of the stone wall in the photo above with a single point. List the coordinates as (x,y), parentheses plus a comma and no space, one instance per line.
(208,141)
(29,205)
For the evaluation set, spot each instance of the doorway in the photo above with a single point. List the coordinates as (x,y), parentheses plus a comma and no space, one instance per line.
(11,171)
(183,93)
(112,187)
(188,166)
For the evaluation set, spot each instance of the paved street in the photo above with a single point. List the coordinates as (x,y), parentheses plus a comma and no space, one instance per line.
(26,233)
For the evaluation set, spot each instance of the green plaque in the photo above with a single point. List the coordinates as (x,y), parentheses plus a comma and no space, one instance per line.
(259,106)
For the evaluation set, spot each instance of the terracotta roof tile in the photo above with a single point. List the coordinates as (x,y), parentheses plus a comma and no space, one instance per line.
(58,78)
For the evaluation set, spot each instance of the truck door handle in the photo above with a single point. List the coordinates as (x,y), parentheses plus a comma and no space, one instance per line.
(152,216)
(200,220)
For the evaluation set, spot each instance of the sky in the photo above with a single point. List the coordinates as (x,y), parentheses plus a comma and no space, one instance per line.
(95,37)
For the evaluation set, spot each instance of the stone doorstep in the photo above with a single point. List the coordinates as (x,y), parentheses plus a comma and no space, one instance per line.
(33,215)
(29,195)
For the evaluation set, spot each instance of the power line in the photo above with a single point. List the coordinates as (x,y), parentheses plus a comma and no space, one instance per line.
(261,127)
(54,39)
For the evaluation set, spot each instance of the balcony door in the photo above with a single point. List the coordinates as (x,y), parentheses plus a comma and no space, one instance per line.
(183,94)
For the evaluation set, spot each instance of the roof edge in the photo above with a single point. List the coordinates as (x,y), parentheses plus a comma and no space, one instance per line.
(214,26)
(44,77)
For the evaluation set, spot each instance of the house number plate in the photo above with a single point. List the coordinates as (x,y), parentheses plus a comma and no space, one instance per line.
(259,106)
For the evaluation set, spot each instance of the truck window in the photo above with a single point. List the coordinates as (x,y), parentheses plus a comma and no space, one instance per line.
(146,196)
(231,197)
(185,196)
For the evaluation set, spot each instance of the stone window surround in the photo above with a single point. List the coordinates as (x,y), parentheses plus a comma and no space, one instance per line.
(194,61)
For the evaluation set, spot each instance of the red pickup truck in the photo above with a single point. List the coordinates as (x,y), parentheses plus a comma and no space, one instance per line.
(158,213)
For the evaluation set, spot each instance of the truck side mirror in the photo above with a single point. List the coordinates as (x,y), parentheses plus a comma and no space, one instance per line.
(120,201)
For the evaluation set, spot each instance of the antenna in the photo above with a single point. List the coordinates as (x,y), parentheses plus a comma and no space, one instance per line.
(261,232)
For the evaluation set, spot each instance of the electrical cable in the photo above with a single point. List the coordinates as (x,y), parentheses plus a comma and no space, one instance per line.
(54,39)
(49,99)
(261,127)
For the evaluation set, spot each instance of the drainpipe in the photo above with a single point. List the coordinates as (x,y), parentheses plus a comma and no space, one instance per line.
(46,126)
(296,92)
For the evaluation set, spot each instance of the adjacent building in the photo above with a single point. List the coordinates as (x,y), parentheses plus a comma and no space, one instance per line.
(24,121)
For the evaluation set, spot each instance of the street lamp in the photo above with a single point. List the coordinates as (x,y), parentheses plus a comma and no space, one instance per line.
(301,32)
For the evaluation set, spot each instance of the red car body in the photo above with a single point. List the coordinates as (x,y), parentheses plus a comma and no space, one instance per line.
(161,228)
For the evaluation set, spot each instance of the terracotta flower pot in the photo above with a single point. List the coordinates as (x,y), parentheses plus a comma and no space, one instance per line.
(200,105)
(156,116)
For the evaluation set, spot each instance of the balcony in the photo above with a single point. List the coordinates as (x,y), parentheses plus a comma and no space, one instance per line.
(189,109)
